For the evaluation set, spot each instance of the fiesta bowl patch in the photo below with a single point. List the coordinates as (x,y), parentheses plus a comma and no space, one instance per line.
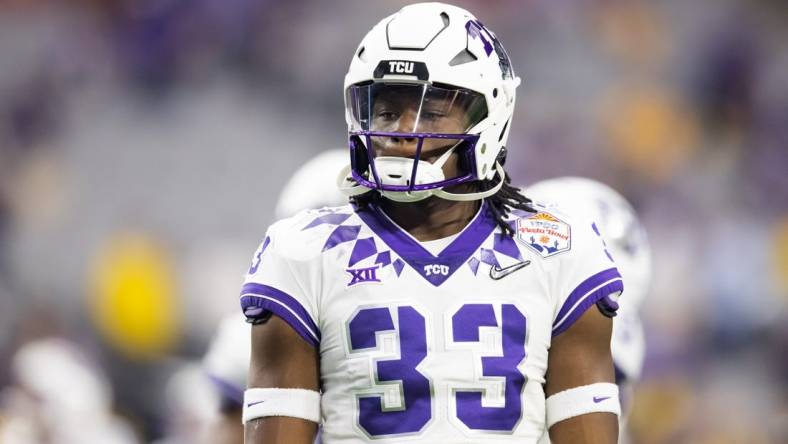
(545,234)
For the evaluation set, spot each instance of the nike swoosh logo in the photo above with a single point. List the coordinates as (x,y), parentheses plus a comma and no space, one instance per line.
(254,403)
(498,273)
(598,400)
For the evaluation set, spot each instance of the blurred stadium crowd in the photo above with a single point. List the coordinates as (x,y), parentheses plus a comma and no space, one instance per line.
(143,144)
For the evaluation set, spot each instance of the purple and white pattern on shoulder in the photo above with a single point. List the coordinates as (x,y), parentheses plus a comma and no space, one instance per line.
(345,231)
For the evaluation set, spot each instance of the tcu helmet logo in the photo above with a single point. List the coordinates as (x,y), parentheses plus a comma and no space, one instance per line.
(431,269)
(400,67)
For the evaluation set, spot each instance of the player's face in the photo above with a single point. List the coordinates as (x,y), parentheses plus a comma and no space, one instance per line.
(407,110)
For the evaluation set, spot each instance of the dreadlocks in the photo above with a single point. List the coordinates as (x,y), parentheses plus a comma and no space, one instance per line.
(506,199)
(501,203)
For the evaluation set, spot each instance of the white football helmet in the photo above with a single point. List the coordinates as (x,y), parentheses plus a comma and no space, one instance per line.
(617,221)
(626,241)
(430,76)
(318,174)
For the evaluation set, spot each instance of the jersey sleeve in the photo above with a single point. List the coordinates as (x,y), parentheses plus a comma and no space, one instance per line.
(586,276)
(279,283)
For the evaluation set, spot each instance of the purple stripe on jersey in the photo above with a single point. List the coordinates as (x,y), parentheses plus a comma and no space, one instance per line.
(363,249)
(421,260)
(488,257)
(474,264)
(264,303)
(585,287)
(263,297)
(330,219)
(384,258)
(584,296)
(506,245)
(228,390)
(342,234)
(399,265)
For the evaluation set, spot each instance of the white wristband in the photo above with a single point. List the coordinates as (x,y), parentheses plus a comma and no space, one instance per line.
(296,403)
(599,397)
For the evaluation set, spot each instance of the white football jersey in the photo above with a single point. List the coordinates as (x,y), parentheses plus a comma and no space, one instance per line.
(414,346)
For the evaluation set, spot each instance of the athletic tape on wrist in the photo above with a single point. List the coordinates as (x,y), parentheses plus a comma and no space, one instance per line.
(599,397)
(295,403)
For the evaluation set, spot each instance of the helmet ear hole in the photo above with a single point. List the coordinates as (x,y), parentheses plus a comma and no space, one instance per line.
(360,54)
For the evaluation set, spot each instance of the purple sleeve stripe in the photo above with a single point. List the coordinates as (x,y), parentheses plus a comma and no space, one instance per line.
(253,289)
(283,305)
(583,289)
(589,299)
(229,391)
(287,314)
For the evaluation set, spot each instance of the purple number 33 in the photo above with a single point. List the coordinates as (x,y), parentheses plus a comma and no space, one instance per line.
(415,409)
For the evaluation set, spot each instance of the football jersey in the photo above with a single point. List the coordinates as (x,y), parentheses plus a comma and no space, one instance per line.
(415,346)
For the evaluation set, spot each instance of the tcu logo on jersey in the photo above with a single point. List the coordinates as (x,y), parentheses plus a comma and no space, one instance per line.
(400,67)
(436,269)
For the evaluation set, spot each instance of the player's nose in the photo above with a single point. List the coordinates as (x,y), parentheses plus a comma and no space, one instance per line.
(403,145)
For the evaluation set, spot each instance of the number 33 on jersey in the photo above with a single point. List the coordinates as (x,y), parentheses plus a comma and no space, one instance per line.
(436,343)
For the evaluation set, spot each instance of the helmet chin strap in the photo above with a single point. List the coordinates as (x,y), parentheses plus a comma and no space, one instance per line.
(349,187)
(439,192)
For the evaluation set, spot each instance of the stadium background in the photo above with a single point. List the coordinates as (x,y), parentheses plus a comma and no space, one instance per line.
(143,145)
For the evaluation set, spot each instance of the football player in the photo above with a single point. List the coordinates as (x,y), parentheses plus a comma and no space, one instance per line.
(425,310)
(626,240)
(227,359)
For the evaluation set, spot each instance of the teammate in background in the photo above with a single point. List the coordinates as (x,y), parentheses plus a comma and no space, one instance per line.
(59,395)
(425,310)
(627,242)
(227,359)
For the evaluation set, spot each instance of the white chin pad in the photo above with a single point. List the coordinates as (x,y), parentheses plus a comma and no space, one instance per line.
(398,171)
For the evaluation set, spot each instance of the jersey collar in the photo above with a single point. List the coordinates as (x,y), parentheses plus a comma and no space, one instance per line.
(421,260)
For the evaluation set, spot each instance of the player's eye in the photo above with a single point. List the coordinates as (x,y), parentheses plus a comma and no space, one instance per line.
(386,115)
(432,115)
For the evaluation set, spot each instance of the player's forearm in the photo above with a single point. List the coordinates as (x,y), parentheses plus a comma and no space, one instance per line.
(593,428)
(226,429)
(279,430)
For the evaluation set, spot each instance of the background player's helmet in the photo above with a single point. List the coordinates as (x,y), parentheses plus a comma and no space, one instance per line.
(227,359)
(318,174)
(617,221)
(436,56)
(626,240)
